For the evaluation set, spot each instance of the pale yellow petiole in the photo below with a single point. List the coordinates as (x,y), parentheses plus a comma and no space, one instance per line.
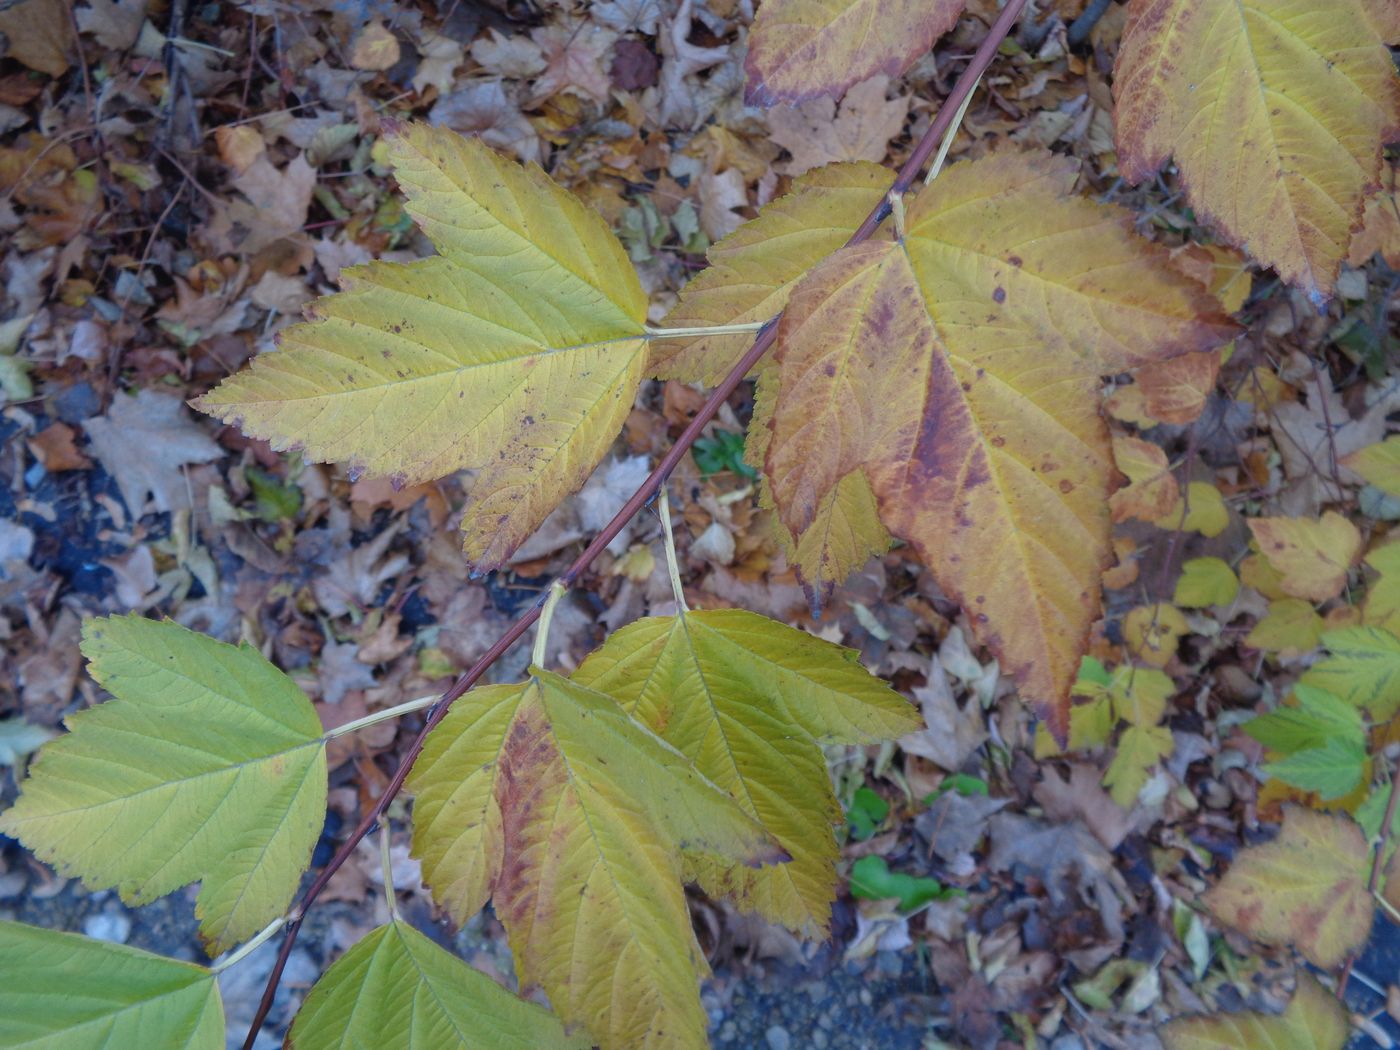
(381,716)
(672,565)
(556,591)
(714,329)
(947,142)
(248,948)
(387,865)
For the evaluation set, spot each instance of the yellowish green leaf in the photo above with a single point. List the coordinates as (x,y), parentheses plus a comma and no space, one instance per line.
(751,700)
(960,370)
(1379,464)
(1314,717)
(801,49)
(1382,608)
(397,990)
(588,812)
(1152,632)
(1139,750)
(1205,582)
(1140,694)
(60,991)
(1202,510)
(209,766)
(753,270)
(1312,555)
(1306,889)
(1276,117)
(1333,769)
(1363,668)
(1314,1020)
(515,352)
(1291,627)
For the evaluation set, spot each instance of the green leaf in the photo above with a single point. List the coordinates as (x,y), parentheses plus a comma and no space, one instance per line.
(1092,672)
(1317,718)
(868,810)
(1332,770)
(723,452)
(963,783)
(1371,813)
(516,351)
(751,700)
(397,990)
(275,499)
(209,765)
(872,879)
(61,991)
(1363,669)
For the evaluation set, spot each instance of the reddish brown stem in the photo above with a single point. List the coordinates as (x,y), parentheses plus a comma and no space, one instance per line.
(764,341)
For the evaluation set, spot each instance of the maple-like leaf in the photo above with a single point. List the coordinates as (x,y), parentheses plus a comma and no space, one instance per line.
(571,817)
(1307,888)
(751,700)
(208,765)
(515,352)
(397,990)
(801,49)
(1315,1019)
(956,373)
(1311,555)
(1275,111)
(143,441)
(61,991)
(753,269)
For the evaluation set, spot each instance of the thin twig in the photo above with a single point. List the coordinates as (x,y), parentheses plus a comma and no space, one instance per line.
(767,336)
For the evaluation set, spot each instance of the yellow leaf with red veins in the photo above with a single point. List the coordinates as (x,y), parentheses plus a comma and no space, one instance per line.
(548,798)
(956,375)
(1307,888)
(1275,111)
(1313,555)
(800,49)
(753,269)
(515,352)
(1152,490)
(1315,1019)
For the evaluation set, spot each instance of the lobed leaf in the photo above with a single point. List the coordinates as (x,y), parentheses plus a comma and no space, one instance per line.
(1275,111)
(516,352)
(1312,556)
(208,765)
(588,812)
(61,991)
(1205,582)
(751,700)
(1314,1020)
(802,49)
(1307,888)
(397,990)
(955,374)
(1363,668)
(753,270)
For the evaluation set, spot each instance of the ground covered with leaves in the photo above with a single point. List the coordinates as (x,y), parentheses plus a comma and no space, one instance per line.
(178,180)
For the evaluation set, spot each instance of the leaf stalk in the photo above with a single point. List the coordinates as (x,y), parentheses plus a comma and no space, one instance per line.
(704,329)
(407,707)
(672,565)
(249,947)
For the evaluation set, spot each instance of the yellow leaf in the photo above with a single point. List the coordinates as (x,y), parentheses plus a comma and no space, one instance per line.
(1275,111)
(1205,582)
(1090,726)
(1202,510)
(1307,888)
(1379,464)
(1140,694)
(1152,490)
(516,351)
(1313,556)
(1152,632)
(1175,391)
(1291,628)
(1256,572)
(585,811)
(800,49)
(1139,750)
(376,48)
(958,374)
(1314,1020)
(209,765)
(1382,608)
(750,700)
(753,269)
(1380,229)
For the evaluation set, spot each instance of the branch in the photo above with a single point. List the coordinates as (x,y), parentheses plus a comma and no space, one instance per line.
(767,336)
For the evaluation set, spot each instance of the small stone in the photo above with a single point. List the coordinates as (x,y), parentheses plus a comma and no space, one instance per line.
(778,1038)
(110,925)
